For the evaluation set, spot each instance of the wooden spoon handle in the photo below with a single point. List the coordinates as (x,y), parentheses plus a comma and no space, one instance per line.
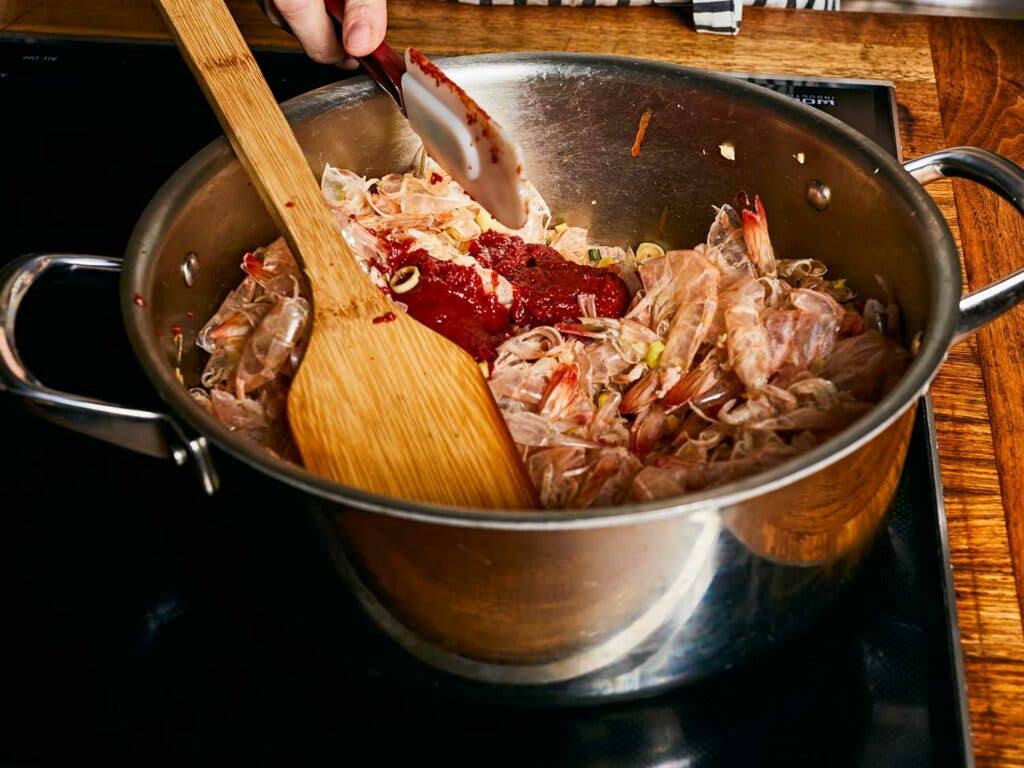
(224,66)
(380,402)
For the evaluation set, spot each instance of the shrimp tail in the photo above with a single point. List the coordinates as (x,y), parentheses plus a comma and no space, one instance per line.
(561,390)
(647,429)
(642,393)
(252,264)
(755,235)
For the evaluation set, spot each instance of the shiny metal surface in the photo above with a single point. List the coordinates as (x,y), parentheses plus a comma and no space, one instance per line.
(190,269)
(818,195)
(147,432)
(608,602)
(1005,179)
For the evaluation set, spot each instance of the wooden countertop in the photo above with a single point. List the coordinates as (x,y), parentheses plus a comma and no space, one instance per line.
(957,82)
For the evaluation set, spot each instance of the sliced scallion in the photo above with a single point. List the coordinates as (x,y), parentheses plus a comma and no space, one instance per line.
(405,278)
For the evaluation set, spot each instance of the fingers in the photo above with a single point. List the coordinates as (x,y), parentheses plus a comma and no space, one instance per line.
(314,29)
(362,29)
(364,26)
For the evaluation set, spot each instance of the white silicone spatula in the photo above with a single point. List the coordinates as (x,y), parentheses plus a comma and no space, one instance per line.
(463,139)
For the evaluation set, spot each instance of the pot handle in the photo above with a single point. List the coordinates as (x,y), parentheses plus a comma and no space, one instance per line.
(147,432)
(1005,179)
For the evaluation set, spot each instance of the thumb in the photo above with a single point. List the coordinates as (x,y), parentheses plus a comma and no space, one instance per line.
(364,26)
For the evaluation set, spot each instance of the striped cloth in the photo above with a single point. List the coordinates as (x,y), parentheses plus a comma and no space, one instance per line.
(722,17)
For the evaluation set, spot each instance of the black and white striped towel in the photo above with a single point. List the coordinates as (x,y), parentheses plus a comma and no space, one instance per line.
(721,17)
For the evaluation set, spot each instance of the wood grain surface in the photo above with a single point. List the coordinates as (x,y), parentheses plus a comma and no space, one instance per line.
(980,78)
(977,69)
(376,391)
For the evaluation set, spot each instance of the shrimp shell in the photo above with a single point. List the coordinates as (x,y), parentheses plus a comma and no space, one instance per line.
(607,479)
(748,344)
(235,301)
(274,268)
(555,473)
(728,360)
(727,249)
(865,366)
(755,235)
(272,342)
(696,295)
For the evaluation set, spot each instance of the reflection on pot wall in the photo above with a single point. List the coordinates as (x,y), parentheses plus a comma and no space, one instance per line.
(823,517)
(530,606)
(617,608)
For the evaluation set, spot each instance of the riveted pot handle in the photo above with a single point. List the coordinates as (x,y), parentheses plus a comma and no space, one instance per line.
(147,432)
(1007,180)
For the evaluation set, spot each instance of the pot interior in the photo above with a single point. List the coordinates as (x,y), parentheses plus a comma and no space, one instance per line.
(576,118)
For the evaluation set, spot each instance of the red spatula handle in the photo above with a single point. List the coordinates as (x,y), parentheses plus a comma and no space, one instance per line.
(384,65)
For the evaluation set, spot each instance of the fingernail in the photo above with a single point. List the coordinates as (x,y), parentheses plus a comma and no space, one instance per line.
(349,64)
(358,36)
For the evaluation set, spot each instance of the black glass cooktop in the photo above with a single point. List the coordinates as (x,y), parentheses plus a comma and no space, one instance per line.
(146,621)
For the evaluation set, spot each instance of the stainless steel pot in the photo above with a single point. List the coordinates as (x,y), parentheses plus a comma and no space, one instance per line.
(599,602)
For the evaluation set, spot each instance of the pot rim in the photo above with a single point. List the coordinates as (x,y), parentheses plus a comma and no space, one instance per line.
(913,384)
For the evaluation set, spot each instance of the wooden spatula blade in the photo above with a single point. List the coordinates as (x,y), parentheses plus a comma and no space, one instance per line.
(380,402)
(449,448)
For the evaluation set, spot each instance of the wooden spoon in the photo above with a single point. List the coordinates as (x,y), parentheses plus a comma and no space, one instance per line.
(380,402)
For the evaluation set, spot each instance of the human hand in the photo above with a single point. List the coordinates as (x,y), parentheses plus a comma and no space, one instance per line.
(361,31)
